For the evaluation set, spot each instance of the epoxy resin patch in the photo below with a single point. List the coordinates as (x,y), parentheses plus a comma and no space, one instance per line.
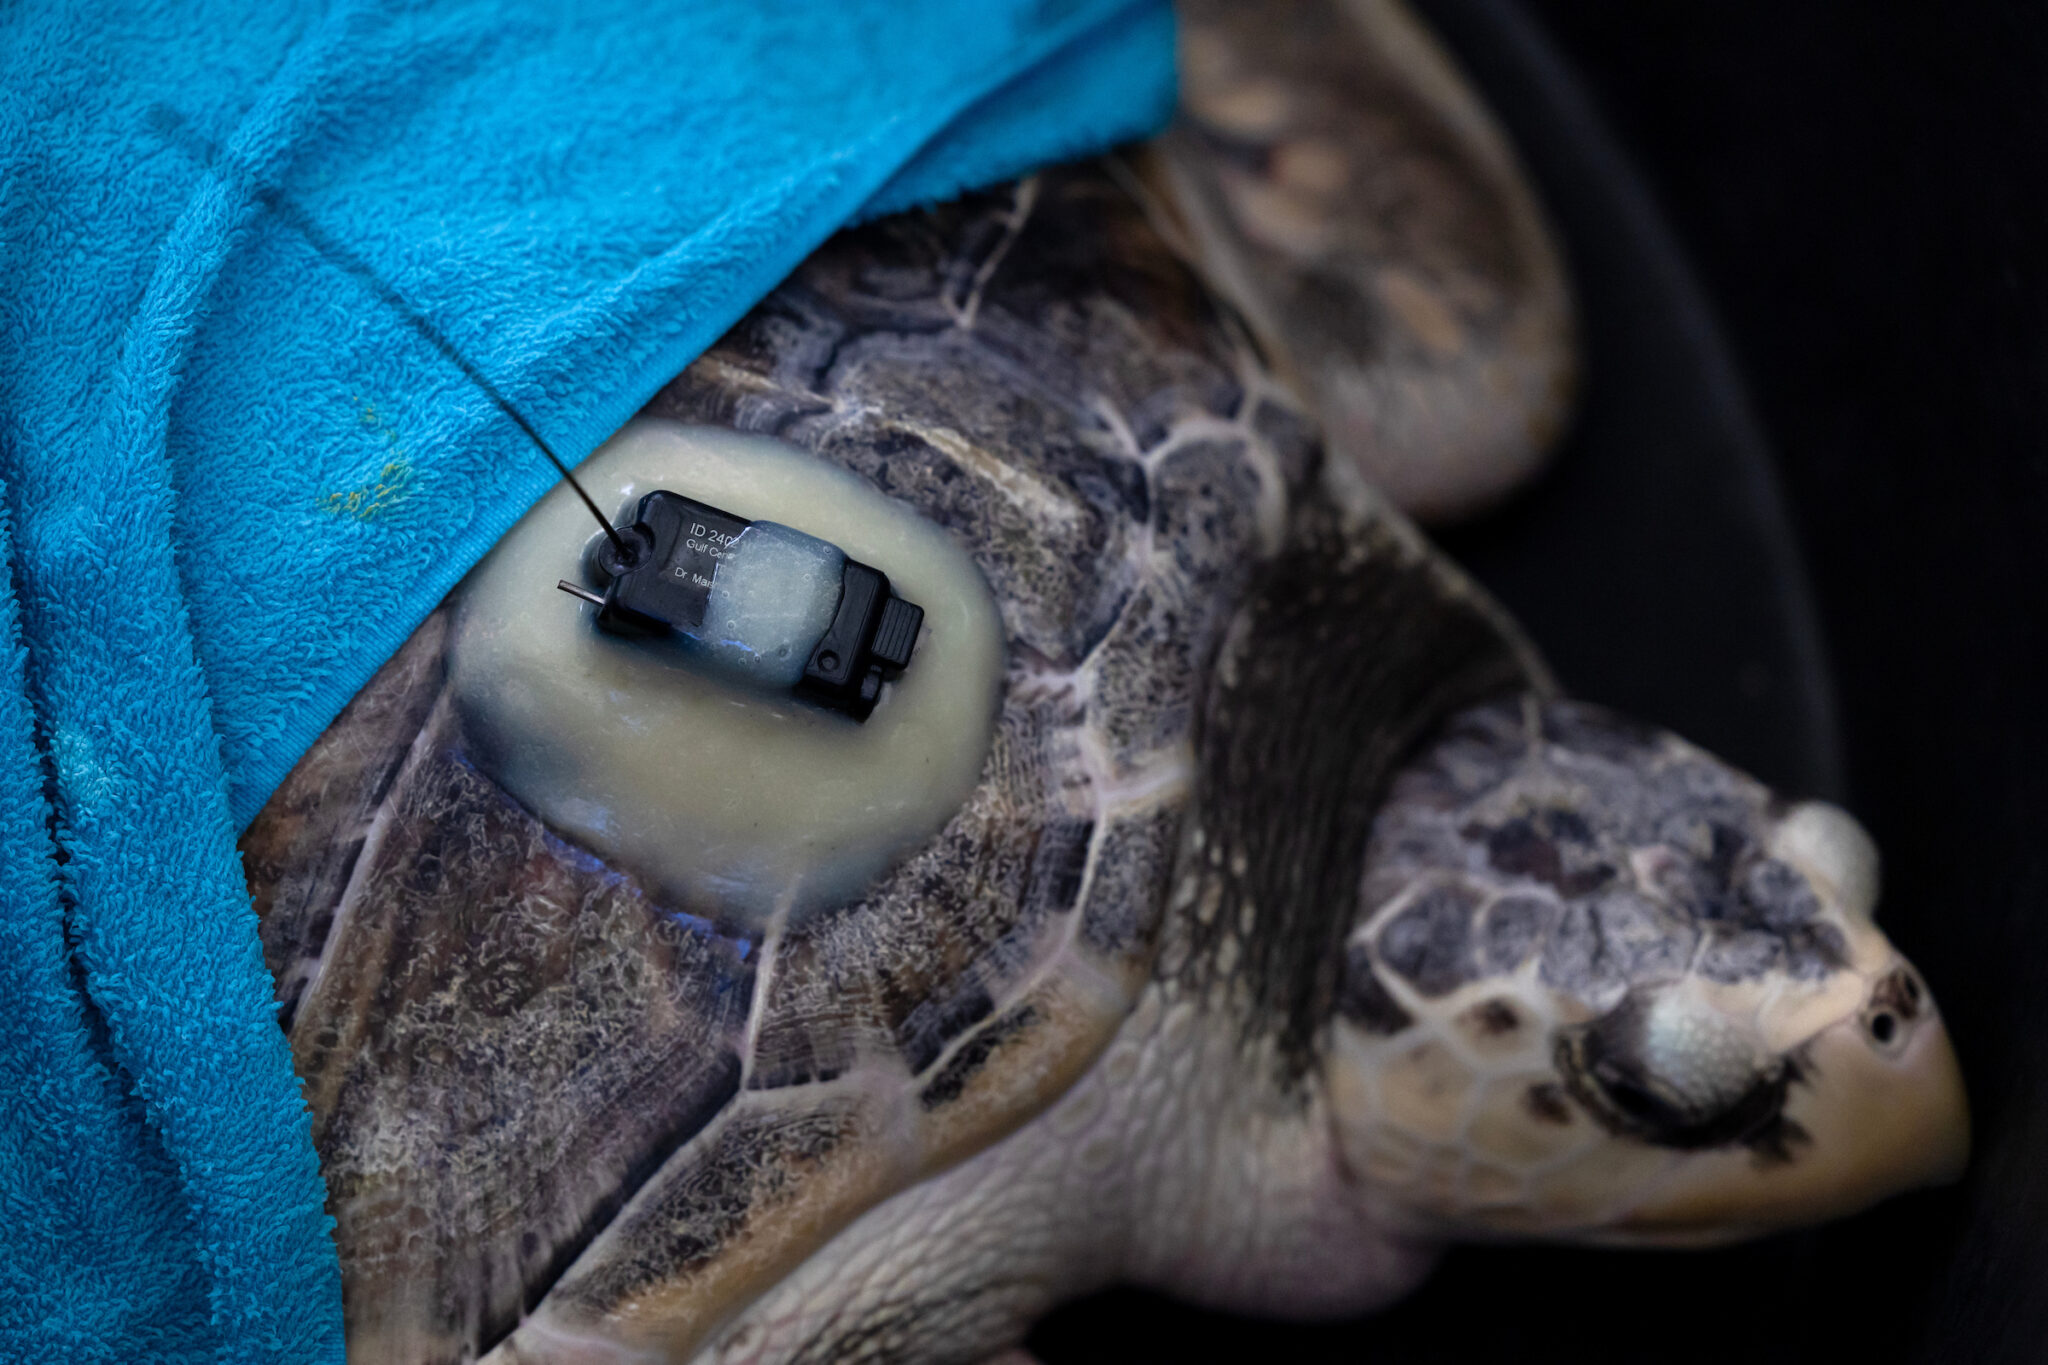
(733,801)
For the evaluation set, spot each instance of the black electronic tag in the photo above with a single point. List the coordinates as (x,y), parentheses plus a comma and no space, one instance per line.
(759,602)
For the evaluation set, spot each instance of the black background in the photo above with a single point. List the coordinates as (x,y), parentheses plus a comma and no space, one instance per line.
(1811,242)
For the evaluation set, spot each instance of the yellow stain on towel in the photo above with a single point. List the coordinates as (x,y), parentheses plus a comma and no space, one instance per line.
(393,481)
(367,501)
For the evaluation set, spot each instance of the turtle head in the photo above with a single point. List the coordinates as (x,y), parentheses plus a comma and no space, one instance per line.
(1604,988)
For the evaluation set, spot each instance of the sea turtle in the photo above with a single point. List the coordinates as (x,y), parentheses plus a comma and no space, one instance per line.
(1286,927)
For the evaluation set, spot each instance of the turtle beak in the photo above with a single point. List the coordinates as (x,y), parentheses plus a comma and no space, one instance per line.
(1882,1108)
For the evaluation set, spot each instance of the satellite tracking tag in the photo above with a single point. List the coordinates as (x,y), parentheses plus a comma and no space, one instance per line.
(756,601)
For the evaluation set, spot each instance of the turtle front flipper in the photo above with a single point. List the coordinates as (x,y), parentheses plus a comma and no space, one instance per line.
(1344,187)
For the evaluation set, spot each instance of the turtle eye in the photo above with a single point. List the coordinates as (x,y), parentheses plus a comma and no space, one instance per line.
(1641,1106)
(1665,1072)
(1634,1099)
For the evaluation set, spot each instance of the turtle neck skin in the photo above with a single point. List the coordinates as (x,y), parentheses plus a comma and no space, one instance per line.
(1173,1164)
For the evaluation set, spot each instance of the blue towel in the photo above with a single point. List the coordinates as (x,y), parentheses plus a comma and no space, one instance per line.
(279,282)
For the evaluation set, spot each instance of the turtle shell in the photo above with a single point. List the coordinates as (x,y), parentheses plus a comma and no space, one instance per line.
(553,1107)
(538,1088)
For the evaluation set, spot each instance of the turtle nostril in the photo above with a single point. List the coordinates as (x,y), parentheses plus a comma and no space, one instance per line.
(1895,1003)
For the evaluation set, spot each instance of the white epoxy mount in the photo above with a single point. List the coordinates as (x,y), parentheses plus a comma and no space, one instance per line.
(735,803)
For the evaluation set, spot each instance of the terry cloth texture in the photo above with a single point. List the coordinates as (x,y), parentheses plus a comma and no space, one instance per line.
(267,271)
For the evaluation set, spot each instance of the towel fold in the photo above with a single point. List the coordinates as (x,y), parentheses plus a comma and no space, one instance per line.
(280,286)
